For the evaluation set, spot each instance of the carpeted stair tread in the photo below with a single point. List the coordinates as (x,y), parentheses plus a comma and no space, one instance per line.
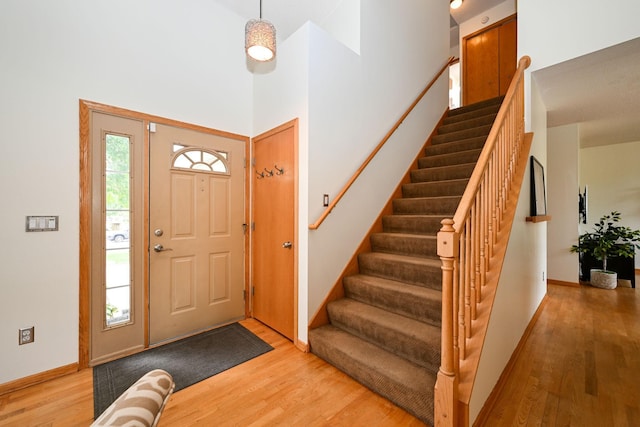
(455,116)
(411,244)
(444,205)
(492,102)
(404,383)
(451,187)
(408,338)
(439,173)
(456,146)
(461,134)
(413,270)
(466,124)
(417,302)
(450,159)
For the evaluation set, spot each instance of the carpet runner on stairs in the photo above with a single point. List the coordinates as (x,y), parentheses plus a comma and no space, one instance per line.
(385,333)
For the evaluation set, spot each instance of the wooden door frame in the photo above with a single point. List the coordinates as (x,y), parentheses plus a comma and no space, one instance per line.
(463,70)
(290,124)
(86,196)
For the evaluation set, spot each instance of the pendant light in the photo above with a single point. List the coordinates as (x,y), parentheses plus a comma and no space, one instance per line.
(455,4)
(260,39)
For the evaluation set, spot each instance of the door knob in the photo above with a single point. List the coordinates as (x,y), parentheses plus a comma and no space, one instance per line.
(287,245)
(160,248)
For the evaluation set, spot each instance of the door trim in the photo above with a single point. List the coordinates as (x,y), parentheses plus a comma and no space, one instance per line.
(86,195)
(290,124)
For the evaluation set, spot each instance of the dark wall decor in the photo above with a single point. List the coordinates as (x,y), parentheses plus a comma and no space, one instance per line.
(538,193)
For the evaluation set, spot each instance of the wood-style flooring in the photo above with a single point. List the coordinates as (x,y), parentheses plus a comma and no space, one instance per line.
(284,387)
(579,367)
(581,364)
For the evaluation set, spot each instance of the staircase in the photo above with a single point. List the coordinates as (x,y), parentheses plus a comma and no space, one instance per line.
(385,332)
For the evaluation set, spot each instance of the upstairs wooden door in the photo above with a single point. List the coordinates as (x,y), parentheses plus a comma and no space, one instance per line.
(489,61)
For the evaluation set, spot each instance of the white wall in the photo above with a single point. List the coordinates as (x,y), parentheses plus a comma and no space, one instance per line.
(613,176)
(562,202)
(353,102)
(158,57)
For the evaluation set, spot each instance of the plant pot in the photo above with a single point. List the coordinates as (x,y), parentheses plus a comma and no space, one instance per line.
(604,279)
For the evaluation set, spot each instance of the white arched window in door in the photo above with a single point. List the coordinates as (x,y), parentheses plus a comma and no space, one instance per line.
(201,160)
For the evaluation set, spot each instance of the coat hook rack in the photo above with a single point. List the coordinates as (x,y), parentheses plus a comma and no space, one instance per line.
(268,172)
(280,171)
(260,175)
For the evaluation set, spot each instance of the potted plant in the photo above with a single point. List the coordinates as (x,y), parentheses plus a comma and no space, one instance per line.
(607,239)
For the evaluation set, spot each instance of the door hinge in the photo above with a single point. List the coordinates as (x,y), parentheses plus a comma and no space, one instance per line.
(244,228)
(253,161)
(253,290)
(244,294)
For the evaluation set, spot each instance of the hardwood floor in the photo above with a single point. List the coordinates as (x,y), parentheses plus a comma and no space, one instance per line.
(580,365)
(283,387)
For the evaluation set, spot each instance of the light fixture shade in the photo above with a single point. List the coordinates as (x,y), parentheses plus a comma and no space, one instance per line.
(455,4)
(260,40)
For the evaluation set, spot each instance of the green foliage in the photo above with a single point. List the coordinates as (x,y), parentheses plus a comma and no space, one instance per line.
(608,239)
(117,172)
(111,310)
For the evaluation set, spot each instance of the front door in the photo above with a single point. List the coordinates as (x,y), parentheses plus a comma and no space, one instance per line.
(273,239)
(196,231)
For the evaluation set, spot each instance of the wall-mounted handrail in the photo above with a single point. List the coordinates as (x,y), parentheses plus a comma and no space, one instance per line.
(375,151)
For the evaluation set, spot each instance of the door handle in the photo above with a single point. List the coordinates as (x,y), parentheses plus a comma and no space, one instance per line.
(287,245)
(160,248)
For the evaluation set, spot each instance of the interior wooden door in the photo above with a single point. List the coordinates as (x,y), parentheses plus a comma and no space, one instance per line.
(196,220)
(489,61)
(274,245)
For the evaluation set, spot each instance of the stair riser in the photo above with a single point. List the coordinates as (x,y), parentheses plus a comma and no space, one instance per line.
(426,206)
(415,274)
(456,147)
(434,189)
(466,124)
(418,225)
(403,302)
(460,135)
(443,173)
(422,352)
(404,245)
(449,159)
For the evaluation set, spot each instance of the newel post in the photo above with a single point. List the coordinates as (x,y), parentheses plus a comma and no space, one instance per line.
(446,390)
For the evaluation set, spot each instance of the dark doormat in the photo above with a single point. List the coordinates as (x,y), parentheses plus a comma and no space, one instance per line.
(189,360)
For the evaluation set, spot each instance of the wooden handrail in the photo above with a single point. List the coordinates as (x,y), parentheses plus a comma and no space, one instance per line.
(375,151)
(466,245)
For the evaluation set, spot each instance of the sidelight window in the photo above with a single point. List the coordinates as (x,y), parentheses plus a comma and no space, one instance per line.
(117,203)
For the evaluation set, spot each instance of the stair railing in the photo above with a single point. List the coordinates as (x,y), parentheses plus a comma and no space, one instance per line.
(467,241)
(366,162)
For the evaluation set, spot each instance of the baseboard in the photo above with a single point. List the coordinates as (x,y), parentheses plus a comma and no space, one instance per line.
(490,403)
(41,377)
(562,283)
(302,346)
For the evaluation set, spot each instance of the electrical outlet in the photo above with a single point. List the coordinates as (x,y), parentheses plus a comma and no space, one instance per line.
(26,335)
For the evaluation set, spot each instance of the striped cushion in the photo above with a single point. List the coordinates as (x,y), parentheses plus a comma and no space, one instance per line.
(141,404)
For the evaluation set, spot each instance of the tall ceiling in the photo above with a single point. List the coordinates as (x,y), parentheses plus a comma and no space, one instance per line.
(599,91)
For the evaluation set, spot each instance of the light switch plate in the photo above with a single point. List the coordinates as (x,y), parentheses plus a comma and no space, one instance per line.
(41,223)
